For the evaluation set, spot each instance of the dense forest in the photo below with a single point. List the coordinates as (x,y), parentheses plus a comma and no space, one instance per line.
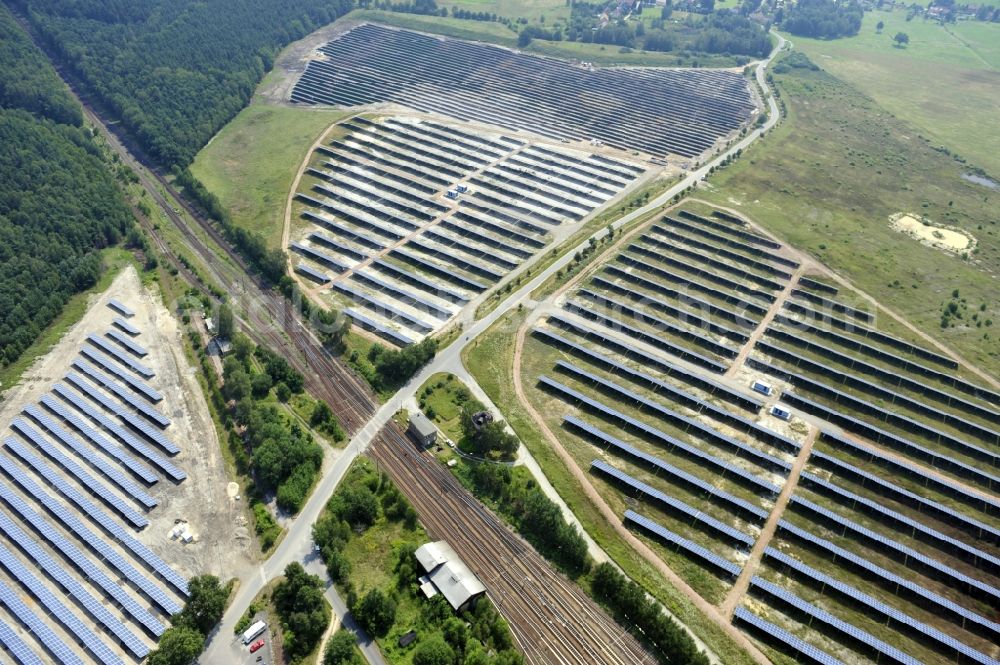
(175,71)
(58,202)
(824,19)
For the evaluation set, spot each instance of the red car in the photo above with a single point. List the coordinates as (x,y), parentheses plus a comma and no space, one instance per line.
(256,645)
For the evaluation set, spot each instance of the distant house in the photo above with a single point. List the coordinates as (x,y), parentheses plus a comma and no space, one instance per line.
(448,575)
(422,429)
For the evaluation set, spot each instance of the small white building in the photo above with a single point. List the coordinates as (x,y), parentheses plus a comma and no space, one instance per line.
(422,429)
(448,575)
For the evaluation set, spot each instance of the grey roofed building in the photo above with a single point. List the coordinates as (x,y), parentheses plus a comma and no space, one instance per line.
(422,429)
(448,575)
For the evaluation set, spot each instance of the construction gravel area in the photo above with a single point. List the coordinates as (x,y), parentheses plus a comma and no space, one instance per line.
(200,504)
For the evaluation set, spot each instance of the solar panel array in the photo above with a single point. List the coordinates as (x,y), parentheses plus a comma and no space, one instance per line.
(121,308)
(55,646)
(691,548)
(745,508)
(16,647)
(127,327)
(796,645)
(705,520)
(670,442)
(101,361)
(116,354)
(127,344)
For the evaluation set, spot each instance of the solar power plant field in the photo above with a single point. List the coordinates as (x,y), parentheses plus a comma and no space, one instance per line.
(655,111)
(865,528)
(77,470)
(406,222)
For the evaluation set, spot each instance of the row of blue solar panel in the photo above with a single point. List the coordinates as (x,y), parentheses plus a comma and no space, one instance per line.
(852,424)
(758,266)
(727,295)
(310,272)
(913,558)
(788,641)
(832,305)
(816,614)
(974,555)
(702,260)
(895,617)
(69,520)
(975,528)
(869,333)
(384,309)
(118,432)
(666,440)
(337,246)
(682,295)
(97,462)
(113,589)
(894,583)
(661,327)
(690,548)
(409,257)
(58,573)
(138,387)
(344,231)
(118,356)
(320,257)
(689,267)
(656,341)
(120,307)
(730,230)
(40,629)
(671,504)
(128,397)
(126,416)
(689,425)
(95,487)
(416,279)
(402,294)
(889,396)
(723,415)
(374,326)
(126,343)
(685,316)
(447,254)
(598,437)
(16,647)
(748,248)
(891,377)
(56,609)
(126,327)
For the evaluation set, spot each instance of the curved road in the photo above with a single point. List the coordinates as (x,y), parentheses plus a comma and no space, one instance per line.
(297,543)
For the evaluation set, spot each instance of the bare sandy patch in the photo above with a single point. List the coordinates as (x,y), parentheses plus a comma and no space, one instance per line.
(939,237)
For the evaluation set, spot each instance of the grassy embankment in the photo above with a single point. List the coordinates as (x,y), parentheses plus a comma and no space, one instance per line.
(827,180)
(945,82)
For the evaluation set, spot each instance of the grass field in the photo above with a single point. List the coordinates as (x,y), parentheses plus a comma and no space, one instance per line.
(533,10)
(946,82)
(252,161)
(827,179)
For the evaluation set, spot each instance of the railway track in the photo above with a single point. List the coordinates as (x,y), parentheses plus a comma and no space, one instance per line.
(553,620)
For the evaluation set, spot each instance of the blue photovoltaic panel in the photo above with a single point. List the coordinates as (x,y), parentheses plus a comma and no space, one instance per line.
(688,546)
(110,472)
(101,518)
(973,586)
(127,327)
(813,654)
(104,363)
(120,307)
(871,481)
(918,628)
(411,277)
(50,567)
(118,432)
(879,435)
(124,396)
(904,523)
(40,629)
(95,487)
(433,268)
(113,589)
(138,469)
(310,272)
(758,514)
(118,356)
(714,525)
(16,647)
(55,608)
(320,257)
(376,327)
(668,441)
(973,498)
(894,581)
(95,542)
(386,310)
(402,294)
(816,614)
(126,343)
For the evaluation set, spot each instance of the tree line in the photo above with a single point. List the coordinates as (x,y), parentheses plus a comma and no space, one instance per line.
(175,71)
(823,19)
(59,204)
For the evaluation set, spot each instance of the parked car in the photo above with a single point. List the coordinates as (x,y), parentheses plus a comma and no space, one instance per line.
(256,645)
